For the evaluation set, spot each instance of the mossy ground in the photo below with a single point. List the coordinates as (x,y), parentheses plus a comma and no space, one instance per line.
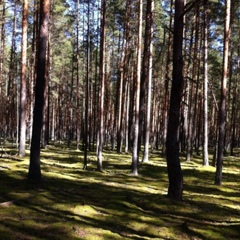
(72,203)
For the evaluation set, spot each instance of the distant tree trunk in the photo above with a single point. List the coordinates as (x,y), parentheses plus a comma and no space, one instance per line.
(102,87)
(127,118)
(193,98)
(34,173)
(175,176)
(2,46)
(137,94)
(131,109)
(148,47)
(45,134)
(234,112)
(86,124)
(118,105)
(69,103)
(23,99)
(95,95)
(154,117)
(123,75)
(53,110)
(10,105)
(205,88)
(167,80)
(123,101)
(233,78)
(33,67)
(77,84)
(222,115)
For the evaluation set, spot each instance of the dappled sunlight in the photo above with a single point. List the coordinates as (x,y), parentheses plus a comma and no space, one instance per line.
(71,203)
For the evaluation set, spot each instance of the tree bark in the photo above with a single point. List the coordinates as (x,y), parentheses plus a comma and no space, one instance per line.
(175,176)
(34,173)
(205,88)
(222,115)
(33,67)
(23,80)
(10,105)
(193,98)
(234,103)
(2,46)
(148,47)
(137,94)
(78,85)
(102,87)
(167,80)
(86,132)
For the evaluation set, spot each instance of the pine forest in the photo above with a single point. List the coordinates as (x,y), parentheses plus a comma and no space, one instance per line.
(126,92)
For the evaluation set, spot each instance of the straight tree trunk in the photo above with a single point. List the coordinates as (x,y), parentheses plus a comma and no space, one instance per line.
(149,48)
(137,94)
(192,112)
(102,87)
(23,99)
(124,77)
(46,136)
(127,118)
(96,94)
(10,105)
(34,173)
(77,85)
(222,114)
(175,176)
(234,112)
(232,131)
(2,46)
(33,67)
(205,88)
(167,80)
(86,132)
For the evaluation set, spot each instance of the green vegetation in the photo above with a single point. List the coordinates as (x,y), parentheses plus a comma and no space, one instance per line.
(74,204)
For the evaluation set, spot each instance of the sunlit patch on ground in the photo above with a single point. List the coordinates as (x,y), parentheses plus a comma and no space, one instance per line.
(71,203)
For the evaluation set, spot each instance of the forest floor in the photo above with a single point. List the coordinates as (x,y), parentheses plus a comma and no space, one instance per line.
(72,203)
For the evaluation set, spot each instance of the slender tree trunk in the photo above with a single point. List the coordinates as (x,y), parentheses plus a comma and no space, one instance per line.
(48,89)
(33,67)
(222,115)
(119,105)
(34,173)
(137,92)
(149,48)
(167,80)
(86,124)
(23,99)
(153,123)
(205,88)
(77,83)
(175,176)
(95,101)
(2,46)
(234,112)
(102,88)
(192,113)
(10,105)
(53,137)
(232,131)
(124,77)
(70,105)
(127,118)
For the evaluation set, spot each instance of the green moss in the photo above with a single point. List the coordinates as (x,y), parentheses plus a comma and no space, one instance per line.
(74,204)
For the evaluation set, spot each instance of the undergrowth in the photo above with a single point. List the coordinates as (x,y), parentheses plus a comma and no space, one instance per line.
(71,203)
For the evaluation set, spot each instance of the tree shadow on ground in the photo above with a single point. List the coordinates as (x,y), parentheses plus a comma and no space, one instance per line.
(74,204)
